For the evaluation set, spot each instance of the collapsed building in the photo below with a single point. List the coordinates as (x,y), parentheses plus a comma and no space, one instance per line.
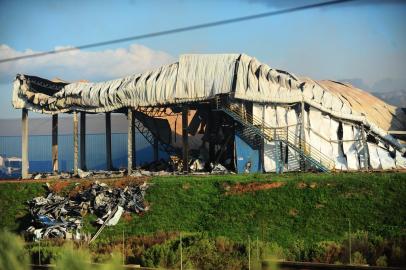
(245,115)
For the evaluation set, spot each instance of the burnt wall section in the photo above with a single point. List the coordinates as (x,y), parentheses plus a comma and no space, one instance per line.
(340,140)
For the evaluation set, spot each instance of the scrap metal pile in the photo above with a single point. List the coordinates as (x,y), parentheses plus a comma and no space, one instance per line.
(54,216)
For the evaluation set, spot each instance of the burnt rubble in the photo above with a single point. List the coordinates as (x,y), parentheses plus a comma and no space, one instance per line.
(55,216)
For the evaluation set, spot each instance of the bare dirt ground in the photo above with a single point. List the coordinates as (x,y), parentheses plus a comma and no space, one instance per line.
(251,187)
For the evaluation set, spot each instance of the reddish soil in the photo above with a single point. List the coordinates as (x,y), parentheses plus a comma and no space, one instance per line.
(251,187)
(125,181)
(58,186)
(127,216)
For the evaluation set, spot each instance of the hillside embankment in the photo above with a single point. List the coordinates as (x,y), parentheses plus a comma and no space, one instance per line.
(303,217)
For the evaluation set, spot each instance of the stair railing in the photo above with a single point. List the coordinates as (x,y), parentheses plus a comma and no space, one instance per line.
(282,134)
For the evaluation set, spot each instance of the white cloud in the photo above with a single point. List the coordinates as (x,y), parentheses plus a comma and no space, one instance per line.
(83,65)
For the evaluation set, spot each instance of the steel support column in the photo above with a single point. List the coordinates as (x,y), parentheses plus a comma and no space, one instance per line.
(75,143)
(109,161)
(302,138)
(83,141)
(134,145)
(55,163)
(24,144)
(262,147)
(129,141)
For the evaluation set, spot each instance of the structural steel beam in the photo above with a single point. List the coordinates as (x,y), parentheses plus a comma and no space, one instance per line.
(75,143)
(55,163)
(83,141)
(24,144)
(185,139)
(109,160)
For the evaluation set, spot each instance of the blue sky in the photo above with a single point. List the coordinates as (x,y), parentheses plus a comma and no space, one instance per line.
(363,42)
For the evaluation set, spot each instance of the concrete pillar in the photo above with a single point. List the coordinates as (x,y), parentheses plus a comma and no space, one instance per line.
(75,143)
(55,163)
(109,160)
(83,141)
(133,140)
(156,150)
(185,139)
(130,141)
(24,144)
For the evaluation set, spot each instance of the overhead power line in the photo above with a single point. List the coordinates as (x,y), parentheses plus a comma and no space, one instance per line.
(178,30)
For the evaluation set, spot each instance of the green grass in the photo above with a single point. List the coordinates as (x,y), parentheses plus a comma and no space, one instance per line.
(374,202)
(13,208)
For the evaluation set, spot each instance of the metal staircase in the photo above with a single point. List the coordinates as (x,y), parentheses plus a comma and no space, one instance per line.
(253,126)
(150,137)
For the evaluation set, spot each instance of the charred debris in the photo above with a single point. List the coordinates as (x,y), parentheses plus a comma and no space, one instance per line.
(55,216)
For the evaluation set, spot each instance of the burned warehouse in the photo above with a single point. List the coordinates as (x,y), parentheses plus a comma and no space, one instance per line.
(234,113)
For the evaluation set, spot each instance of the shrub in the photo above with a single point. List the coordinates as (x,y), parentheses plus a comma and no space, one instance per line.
(12,253)
(273,251)
(382,261)
(162,255)
(326,252)
(358,259)
(73,259)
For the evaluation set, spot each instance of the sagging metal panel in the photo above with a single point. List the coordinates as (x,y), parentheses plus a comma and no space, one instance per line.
(201,77)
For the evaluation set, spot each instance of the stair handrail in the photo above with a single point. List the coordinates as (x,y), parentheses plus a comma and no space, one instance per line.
(283,134)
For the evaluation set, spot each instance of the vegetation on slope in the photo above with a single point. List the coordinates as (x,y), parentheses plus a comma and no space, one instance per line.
(304,215)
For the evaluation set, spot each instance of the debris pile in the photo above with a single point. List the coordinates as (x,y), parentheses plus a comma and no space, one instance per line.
(219,169)
(55,216)
(81,174)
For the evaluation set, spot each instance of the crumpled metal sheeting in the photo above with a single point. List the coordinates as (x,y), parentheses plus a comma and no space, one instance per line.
(102,199)
(55,216)
(201,77)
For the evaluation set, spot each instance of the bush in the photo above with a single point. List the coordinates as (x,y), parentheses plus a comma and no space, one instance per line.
(382,261)
(358,259)
(326,252)
(273,251)
(12,253)
(70,258)
(161,255)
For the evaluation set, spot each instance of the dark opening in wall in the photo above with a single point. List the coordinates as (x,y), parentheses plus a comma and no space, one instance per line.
(371,139)
(340,141)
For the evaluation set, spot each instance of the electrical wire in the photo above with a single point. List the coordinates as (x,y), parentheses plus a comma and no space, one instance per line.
(178,30)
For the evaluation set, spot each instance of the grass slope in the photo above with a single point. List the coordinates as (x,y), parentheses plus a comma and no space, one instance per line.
(307,207)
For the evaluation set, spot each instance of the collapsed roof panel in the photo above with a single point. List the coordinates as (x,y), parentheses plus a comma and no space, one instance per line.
(202,77)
